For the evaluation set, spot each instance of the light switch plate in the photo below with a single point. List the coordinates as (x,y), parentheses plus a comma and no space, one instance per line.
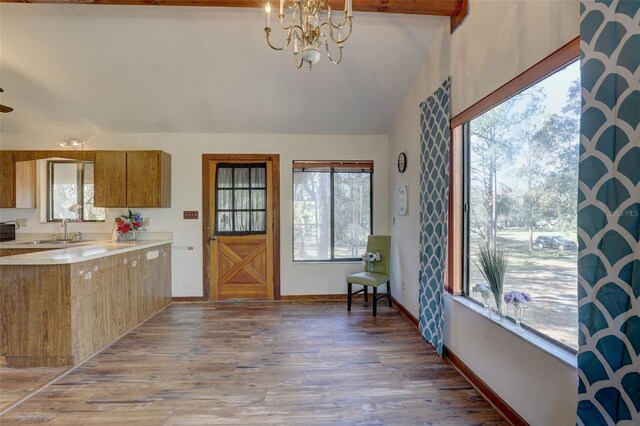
(146,221)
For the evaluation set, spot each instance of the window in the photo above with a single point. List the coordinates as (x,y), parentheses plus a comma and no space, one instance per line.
(520,190)
(70,192)
(241,199)
(331,210)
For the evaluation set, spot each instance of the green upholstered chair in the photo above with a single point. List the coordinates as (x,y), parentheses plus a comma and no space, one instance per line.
(380,276)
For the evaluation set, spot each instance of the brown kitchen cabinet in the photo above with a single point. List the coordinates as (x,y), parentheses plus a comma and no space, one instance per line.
(17,182)
(148,179)
(132,179)
(110,179)
(61,314)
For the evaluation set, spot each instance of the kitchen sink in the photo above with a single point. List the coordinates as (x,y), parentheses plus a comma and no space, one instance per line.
(60,242)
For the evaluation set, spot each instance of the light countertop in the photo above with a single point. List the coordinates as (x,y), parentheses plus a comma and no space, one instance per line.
(78,252)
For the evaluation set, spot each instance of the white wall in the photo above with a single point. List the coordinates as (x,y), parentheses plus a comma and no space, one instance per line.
(502,38)
(497,41)
(405,137)
(186,151)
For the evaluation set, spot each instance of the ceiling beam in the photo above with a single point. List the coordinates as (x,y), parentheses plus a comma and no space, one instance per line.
(450,8)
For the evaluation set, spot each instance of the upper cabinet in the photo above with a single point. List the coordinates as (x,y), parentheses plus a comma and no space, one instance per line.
(122,178)
(17,182)
(110,179)
(132,179)
(7,180)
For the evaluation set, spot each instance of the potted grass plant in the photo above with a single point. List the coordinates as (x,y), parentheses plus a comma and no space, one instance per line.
(492,264)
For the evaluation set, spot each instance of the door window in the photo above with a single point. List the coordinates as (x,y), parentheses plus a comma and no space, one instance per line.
(241,199)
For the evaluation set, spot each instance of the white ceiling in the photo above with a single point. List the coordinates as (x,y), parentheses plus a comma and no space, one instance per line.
(83,69)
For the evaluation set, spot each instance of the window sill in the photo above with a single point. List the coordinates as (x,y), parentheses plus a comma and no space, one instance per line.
(533,339)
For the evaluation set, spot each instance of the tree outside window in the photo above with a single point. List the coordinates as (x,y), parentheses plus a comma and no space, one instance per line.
(331,210)
(71,192)
(522,186)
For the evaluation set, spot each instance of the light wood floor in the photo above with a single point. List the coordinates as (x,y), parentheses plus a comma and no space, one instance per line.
(262,363)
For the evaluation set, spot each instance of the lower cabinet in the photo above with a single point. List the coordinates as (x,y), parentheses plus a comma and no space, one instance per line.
(62,314)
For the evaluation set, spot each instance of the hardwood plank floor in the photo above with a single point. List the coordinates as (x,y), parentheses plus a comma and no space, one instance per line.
(263,363)
(16,383)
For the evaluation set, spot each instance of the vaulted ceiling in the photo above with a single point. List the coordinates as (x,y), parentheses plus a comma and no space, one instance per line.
(86,69)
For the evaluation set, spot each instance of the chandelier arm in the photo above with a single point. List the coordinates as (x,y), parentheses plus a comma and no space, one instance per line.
(293,19)
(331,36)
(341,24)
(267,31)
(282,23)
(331,28)
(298,63)
(350,18)
(326,46)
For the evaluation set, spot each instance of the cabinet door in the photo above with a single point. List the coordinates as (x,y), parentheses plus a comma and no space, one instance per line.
(26,184)
(143,179)
(110,179)
(7,180)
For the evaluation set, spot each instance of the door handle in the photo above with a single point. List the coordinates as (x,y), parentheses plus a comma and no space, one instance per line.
(213,238)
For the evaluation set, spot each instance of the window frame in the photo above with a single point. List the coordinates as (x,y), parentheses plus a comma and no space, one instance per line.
(332,167)
(80,182)
(233,210)
(458,275)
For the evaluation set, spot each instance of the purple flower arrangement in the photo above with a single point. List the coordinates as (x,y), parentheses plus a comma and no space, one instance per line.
(517,297)
(370,257)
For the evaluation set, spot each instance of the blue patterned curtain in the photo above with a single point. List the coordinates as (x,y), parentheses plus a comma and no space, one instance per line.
(609,214)
(434,207)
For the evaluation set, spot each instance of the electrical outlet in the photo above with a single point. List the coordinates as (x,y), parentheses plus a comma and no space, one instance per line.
(146,221)
(190,214)
(22,221)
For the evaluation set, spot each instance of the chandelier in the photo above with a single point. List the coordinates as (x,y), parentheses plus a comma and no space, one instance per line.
(311,26)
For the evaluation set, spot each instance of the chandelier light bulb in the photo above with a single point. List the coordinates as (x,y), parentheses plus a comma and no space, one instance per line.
(267,9)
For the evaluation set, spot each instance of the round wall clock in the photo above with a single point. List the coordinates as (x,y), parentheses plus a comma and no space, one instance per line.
(402,162)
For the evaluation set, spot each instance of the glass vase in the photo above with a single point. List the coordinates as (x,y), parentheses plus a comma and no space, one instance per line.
(518,314)
(497,310)
(486,304)
(370,267)
(128,236)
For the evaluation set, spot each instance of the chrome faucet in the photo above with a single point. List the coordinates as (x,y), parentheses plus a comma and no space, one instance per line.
(64,225)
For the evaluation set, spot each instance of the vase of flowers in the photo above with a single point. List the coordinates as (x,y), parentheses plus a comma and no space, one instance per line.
(485,293)
(492,264)
(127,225)
(519,301)
(368,259)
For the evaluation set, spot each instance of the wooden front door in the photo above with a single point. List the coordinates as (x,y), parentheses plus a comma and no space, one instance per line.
(240,239)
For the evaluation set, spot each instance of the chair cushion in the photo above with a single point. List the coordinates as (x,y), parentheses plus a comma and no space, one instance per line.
(368,278)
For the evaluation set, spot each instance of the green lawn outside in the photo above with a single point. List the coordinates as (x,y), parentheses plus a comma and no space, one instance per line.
(549,275)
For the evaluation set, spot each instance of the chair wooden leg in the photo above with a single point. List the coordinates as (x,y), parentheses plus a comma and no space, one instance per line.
(366,294)
(349,288)
(375,301)
(389,292)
